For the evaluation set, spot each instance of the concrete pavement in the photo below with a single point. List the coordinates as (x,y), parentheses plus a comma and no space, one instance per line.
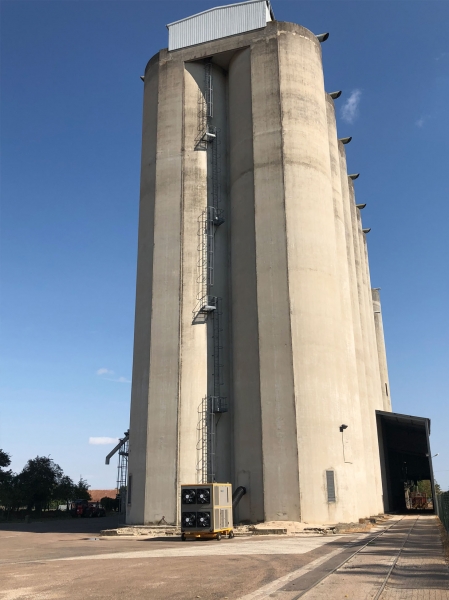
(67,560)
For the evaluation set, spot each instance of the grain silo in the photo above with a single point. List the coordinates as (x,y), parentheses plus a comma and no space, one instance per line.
(258,358)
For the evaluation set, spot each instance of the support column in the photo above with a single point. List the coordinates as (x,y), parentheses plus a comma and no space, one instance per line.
(277,390)
(137,465)
(193,348)
(368,407)
(248,459)
(365,316)
(355,466)
(370,322)
(161,476)
(381,350)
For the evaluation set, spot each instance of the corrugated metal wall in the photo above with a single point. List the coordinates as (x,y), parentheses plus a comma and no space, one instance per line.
(218,23)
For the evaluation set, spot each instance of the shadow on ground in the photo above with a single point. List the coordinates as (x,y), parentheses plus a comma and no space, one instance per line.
(93,525)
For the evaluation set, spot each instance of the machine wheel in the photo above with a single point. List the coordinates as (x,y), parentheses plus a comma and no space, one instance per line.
(183,537)
(218,536)
(230,535)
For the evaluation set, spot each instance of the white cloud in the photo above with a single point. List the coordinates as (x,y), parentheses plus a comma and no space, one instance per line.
(350,109)
(102,441)
(104,371)
(421,121)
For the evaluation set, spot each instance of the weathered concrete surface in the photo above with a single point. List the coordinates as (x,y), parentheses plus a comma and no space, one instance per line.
(277,393)
(144,291)
(38,562)
(67,560)
(374,397)
(298,350)
(356,464)
(193,343)
(368,429)
(381,350)
(248,457)
(421,573)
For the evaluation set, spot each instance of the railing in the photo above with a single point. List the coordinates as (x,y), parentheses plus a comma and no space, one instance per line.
(442,506)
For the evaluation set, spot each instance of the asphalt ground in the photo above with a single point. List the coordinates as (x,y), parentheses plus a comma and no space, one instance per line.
(67,559)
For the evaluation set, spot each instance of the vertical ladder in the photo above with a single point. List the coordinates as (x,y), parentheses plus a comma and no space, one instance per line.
(208,304)
(122,474)
(209,91)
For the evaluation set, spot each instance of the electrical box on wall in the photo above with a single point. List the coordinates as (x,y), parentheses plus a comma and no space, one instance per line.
(206,510)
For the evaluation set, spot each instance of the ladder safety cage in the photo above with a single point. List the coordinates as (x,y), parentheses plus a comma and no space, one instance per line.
(208,305)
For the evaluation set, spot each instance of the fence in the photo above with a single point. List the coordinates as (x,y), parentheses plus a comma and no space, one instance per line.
(443,508)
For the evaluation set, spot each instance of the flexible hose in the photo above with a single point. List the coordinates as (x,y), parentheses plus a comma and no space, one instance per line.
(238,495)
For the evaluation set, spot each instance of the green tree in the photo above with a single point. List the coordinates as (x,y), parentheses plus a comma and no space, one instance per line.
(39,479)
(425,487)
(110,503)
(81,490)
(11,496)
(64,491)
(11,492)
(5,460)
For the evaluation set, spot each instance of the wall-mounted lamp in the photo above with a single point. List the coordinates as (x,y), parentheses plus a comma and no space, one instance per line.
(322,37)
(343,427)
(345,140)
(142,77)
(366,230)
(335,95)
(354,176)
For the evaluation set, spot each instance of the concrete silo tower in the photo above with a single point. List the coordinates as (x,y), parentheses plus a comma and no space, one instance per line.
(258,357)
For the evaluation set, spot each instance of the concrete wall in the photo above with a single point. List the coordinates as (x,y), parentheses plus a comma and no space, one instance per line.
(298,349)
(193,347)
(277,392)
(247,441)
(142,330)
(365,404)
(356,463)
(381,350)
(370,360)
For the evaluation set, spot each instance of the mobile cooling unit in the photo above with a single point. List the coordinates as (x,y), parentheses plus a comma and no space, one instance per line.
(206,510)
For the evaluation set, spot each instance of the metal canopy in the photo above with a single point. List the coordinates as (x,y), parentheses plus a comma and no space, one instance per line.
(408,420)
(405,455)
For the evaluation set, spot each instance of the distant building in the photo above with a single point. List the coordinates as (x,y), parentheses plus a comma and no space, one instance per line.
(97,495)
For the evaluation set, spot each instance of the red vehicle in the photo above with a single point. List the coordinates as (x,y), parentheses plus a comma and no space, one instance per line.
(83,508)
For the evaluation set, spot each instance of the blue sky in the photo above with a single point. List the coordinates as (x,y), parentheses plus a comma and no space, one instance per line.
(71,111)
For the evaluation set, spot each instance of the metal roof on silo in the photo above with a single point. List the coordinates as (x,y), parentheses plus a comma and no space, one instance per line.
(219,22)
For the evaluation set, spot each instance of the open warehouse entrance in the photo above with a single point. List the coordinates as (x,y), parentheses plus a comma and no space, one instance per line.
(405,459)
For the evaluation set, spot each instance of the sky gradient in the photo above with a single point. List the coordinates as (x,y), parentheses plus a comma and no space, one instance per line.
(71,108)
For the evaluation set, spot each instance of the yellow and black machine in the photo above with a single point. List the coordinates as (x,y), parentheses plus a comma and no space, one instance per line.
(206,511)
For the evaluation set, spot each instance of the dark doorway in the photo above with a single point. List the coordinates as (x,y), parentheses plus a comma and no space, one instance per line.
(405,457)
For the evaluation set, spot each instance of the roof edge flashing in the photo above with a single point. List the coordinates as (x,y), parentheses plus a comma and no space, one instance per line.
(203,12)
(404,418)
(219,22)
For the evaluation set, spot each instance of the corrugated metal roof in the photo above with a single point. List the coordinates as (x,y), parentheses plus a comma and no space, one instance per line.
(219,22)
